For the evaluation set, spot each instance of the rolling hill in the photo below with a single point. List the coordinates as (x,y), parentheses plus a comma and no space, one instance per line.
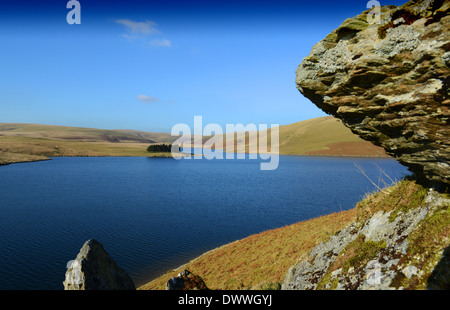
(325,136)
(79,134)
(322,136)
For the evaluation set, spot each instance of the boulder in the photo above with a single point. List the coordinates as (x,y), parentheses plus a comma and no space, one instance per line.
(94,269)
(186,281)
(388,82)
(378,254)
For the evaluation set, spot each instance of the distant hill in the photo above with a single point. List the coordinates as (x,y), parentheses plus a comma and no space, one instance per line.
(325,136)
(29,142)
(80,134)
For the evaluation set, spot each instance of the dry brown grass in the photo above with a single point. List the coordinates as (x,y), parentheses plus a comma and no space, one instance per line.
(260,259)
(11,158)
(29,142)
(52,147)
(319,136)
(404,195)
(25,149)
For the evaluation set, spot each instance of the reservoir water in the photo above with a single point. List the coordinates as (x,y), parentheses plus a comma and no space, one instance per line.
(154,214)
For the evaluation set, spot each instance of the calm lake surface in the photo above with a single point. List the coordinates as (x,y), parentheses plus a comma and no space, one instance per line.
(154,214)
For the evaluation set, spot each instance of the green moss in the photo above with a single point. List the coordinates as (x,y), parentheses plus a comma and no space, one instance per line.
(350,27)
(425,245)
(360,252)
(403,196)
(431,233)
(394,213)
(415,200)
(327,279)
(332,37)
(272,286)
(314,59)
(334,284)
(324,281)
(356,254)
(364,253)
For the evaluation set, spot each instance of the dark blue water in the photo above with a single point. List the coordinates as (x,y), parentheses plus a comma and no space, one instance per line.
(154,214)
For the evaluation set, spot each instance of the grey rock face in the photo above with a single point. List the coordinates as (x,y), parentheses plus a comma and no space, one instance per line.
(94,269)
(306,274)
(389,83)
(390,234)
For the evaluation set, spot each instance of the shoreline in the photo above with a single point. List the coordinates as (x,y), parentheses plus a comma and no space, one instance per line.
(272,257)
(44,158)
(332,222)
(9,158)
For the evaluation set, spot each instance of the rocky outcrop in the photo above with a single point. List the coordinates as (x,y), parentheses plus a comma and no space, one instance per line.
(186,281)
(388,82)
(403,245)
(406,247)
(94,269)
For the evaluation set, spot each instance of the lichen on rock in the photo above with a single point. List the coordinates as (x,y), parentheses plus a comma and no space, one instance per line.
(384,249)
(389,84)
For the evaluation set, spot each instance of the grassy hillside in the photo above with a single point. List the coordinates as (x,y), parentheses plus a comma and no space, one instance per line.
(29,142)
(325,136)
(78,134)
(262,261)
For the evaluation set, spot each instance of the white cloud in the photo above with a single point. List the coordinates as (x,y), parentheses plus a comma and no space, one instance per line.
(139,28)
(161,42)
(147,99)
(151,99)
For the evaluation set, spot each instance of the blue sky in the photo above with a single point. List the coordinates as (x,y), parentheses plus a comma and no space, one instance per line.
(148,65)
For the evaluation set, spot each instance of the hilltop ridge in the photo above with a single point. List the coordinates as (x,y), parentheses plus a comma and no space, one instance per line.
(30,142)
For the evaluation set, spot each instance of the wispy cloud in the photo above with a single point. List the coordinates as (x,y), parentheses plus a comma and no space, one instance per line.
(161,42)
(151,99)
(142,30)
(147,99)
(139,28)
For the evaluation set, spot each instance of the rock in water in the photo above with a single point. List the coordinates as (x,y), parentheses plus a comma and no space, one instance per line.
(389,83)
(186,281)
(94,269)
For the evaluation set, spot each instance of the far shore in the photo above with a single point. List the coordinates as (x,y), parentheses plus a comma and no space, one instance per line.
(24,158)
(7,158)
